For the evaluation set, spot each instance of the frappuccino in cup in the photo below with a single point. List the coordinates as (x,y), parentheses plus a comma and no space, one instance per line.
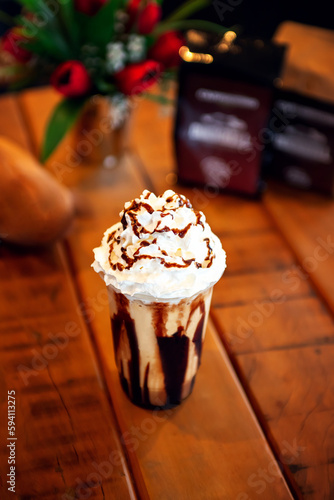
(159,263)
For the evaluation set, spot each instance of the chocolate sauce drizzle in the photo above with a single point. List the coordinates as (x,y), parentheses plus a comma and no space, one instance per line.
(132,212)
(123,324)
(173,350)
(111,236)
(210,255)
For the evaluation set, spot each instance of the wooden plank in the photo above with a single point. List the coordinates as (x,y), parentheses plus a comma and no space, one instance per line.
(67,443)
(274,324)
(306,221)
(256,252)
(241,289)
(277,330)
(299,415)
(198,446)
(63,420)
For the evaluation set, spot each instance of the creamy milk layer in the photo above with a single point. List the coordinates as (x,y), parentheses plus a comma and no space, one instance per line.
(161,249)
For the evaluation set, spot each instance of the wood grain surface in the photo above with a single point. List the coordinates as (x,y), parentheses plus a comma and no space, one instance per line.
(67,441)
(306,222)
(259,421)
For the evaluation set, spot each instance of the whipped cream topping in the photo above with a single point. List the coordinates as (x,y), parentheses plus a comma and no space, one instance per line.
(161,249)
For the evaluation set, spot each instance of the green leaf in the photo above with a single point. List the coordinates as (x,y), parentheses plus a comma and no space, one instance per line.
(53,30)
(105,87)
(40,7)
(159,98)
(63,118)
(187,9)
(186,24)
(46,43)
(6,18)
(99,29)
(43,46)
(46,39)
(10,75)
(68,23)
(24,82)
(32,5)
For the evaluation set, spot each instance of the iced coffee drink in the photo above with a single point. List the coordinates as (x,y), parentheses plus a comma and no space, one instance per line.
(159,263)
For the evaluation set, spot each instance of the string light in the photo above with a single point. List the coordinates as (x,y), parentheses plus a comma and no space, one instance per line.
(189,56)
(226,42)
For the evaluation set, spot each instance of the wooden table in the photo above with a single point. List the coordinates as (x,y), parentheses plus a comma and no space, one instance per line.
(259,424)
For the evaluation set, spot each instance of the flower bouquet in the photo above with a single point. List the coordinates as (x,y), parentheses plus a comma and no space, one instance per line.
(113,48)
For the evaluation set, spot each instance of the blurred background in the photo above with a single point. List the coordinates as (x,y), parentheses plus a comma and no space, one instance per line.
(258,18)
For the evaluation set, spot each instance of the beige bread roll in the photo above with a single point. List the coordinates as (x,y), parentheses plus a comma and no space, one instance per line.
(34,208)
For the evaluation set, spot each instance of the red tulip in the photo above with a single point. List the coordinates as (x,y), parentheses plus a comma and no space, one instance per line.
(89,7)
(71,79)
(149,16)
(136,78)
(13,43)
(166,49)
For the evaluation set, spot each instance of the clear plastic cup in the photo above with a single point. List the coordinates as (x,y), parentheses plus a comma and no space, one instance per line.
(158,345)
